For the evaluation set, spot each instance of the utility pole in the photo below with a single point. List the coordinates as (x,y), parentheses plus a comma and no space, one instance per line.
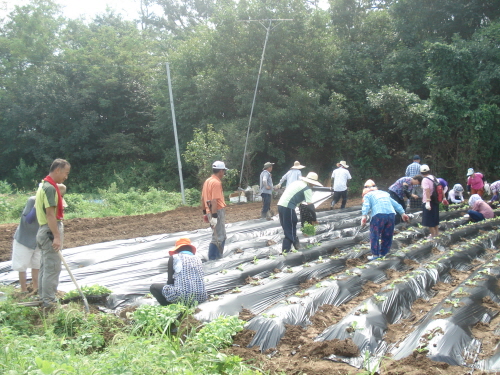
(267,23)
(179,164)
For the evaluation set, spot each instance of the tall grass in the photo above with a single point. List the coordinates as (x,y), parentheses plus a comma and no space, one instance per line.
(107,202)
(68,341)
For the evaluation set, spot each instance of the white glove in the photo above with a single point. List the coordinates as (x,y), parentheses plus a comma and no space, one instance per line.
(428,205)
(213,221)
(278,186)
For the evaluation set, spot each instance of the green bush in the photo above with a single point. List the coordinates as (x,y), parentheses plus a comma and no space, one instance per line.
(5,187)
(153,320)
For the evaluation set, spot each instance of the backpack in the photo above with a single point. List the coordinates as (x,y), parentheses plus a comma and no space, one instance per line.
(437,195)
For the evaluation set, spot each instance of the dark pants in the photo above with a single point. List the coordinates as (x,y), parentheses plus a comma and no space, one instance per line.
(336,197)
(381,232)
(401,201)
(156,291)
(475,216)
(213,250)
(266,204)
(288,221)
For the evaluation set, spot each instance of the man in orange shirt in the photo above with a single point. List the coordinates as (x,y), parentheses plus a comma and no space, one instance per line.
(213,203)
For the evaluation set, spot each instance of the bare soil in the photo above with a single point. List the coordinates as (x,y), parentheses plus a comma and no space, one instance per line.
(79,232)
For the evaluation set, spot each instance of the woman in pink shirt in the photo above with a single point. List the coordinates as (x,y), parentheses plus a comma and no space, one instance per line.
(479,209)
(475,183)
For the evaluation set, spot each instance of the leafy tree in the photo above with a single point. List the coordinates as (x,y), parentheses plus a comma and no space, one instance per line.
(205,148)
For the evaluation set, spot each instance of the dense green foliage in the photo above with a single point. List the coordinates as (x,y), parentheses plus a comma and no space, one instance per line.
(364,81)
(106,202)
(71,342)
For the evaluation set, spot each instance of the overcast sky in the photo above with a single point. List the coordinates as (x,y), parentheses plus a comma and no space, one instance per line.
(89,8)
(129,9)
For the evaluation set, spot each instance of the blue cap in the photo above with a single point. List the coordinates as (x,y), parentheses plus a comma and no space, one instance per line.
(416,157)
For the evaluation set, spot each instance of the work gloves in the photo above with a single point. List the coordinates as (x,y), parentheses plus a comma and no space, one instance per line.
(277,186)
(213,221)
(428,205)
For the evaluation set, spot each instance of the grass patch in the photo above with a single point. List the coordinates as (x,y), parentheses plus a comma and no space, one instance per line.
(108,202)
(68,341)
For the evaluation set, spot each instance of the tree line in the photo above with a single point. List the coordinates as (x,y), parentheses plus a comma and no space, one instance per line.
(365,81)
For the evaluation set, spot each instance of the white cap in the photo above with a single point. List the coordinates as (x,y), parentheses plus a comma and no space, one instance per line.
(219,165)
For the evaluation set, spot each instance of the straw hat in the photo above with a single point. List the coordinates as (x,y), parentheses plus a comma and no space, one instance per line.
(297,165)
(180,243)
(342,163)
(311,178)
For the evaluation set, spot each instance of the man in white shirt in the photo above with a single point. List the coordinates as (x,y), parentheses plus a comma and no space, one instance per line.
(340,176)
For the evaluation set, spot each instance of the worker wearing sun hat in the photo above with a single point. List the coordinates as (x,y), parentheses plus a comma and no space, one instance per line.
(266,189)
(184,277)
(212,198)
(475,182)
(340,178)
(296,193)
(383,209)
(292,175)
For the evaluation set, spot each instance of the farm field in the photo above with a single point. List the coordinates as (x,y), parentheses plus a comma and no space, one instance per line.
(430,307)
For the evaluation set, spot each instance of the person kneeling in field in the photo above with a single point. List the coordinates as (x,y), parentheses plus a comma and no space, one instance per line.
(383,210)
(480,210)
(185,277)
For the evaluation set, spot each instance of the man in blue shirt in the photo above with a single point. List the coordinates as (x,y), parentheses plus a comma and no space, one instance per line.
(383,209)
(294,194)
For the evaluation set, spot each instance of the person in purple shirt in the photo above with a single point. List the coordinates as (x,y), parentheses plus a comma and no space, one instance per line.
(404,187)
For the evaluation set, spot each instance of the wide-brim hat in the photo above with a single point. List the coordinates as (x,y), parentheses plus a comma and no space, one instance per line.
(180,243)
(311,178)
(342,163)
(268,164)
(470,172)
(297,165)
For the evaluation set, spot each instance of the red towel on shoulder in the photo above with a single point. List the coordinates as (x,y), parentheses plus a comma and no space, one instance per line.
(60,209)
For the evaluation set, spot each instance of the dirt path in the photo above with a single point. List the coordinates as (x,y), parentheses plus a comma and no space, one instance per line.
(79,232)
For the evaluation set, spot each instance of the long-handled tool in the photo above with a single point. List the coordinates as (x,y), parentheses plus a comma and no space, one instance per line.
(85,303)
(217,242)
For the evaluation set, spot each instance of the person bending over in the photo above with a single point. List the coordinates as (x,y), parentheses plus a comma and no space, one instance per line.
(184,277)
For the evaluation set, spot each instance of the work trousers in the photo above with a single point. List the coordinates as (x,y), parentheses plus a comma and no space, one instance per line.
(288,221)
(398,219)
(157,292)
(50,265)
(475,216)
(381,232)
(216,247)
(266,204)
(336,197)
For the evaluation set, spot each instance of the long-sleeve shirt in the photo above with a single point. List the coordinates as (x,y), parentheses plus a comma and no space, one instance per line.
(483,208)
(402,187)
(455,196)
(291,176)
(476,181)
(412,170)
(380,202)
